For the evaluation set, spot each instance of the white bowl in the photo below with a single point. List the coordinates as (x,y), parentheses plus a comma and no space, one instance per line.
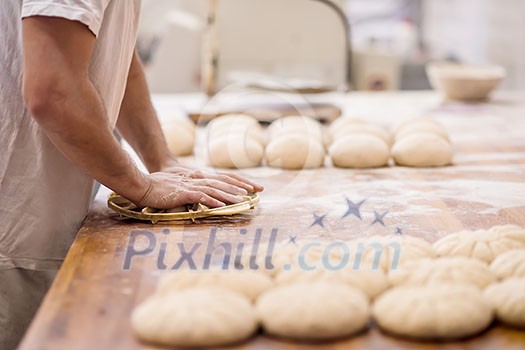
(464,82)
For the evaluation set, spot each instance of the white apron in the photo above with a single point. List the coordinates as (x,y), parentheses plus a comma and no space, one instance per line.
(43,197)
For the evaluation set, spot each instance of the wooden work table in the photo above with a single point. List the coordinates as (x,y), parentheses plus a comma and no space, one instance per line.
(89,304)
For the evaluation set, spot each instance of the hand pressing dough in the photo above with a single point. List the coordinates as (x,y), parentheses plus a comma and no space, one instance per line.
(389,252)
(195,318)
(443,270)
(370,282)
(422,150)
(246,282)
(179,139)
(422,127)
(508,299)
(369,129)
(509,264)
(443,311)
(359,151)
(313,311)
(482,244)
(235,151)
(295,152)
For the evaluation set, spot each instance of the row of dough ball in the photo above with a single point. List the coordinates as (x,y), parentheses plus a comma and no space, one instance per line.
(295,142)
(444,296)
(430,295)
(477,276)
(238,141)
(417,142)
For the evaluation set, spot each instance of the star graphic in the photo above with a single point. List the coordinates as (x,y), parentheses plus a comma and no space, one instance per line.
(399,231)
(292,239)
(353,208)
(378,219)
(318,220)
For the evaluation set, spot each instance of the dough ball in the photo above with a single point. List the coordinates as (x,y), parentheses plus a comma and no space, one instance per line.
(389,252)
(422,127)
(195,318)
(229,120)
(443,270)
(482,244)
(314,134)
(293,122)
(422,150)
(250,131)
(183,122)
(295,151)
(440,311)
(342,122)
(369,129)
(514,232)
(508,299)
(248,283)
(359,151)
(413,120)
(235,151)
(179,139)
(509,264)
(370,282)
(313,311)
(296,125)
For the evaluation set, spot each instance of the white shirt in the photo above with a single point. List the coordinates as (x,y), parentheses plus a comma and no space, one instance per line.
(43,197)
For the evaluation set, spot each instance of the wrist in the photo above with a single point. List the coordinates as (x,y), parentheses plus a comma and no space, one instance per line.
(134,187)
(146,194)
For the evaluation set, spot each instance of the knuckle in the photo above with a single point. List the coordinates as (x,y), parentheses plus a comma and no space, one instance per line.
(196,174)
(225,178)
(194,196)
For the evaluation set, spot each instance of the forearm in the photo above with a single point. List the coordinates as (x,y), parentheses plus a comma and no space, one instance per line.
(138,122)
(61,97)
(76,123)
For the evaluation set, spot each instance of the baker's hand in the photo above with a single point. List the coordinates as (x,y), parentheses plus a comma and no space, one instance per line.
(167,190)
(197,174)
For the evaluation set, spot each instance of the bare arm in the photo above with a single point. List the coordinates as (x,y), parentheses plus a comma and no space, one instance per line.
(138,122)
(62,99)
(139,125)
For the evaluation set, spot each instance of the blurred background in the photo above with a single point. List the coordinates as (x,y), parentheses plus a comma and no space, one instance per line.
(205,45)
